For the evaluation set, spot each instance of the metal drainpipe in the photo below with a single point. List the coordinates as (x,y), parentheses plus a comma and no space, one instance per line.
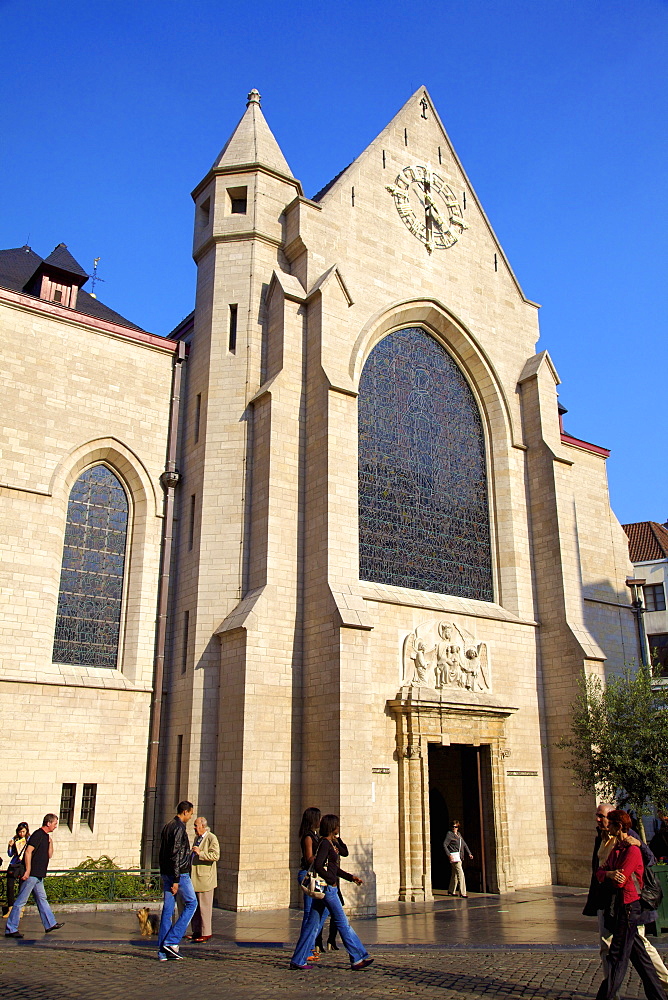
(169,480)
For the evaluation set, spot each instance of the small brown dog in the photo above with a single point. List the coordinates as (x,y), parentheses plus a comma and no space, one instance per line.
(148,922)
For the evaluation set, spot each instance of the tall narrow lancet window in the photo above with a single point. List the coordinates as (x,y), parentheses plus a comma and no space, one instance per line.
(91,580)
(423,506)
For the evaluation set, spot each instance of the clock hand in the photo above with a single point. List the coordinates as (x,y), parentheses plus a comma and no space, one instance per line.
(433,211)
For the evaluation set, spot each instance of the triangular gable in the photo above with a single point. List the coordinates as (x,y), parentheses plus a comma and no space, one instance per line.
(428,144)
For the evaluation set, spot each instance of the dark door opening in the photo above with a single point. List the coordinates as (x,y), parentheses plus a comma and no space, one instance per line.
(459,789)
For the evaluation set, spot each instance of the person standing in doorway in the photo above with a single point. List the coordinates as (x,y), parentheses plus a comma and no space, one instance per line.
(38,853)
(455,847)
(204,876)
(175,857)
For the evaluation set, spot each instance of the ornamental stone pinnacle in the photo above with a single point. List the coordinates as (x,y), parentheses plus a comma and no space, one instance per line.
(253,98)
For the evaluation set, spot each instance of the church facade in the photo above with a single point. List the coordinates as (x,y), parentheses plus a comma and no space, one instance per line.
(385,564)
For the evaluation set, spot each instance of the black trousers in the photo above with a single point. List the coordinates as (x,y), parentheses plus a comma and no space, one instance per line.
(626,944)
(11,890)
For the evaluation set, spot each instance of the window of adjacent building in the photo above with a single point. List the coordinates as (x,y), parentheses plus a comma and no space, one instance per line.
(91,581)
(658,652)
(237,200)
(67,796)
(655,597)
(423,505)
(88,798)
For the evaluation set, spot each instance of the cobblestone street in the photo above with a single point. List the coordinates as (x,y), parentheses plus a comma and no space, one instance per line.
(256,974)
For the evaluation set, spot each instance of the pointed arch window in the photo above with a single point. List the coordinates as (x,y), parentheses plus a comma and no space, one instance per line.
(423,505)
(91,580)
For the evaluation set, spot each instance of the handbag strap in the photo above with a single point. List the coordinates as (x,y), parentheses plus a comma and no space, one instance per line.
(18,857)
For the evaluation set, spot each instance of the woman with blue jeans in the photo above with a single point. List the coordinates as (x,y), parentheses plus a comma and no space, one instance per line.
(327,866)
(309,840)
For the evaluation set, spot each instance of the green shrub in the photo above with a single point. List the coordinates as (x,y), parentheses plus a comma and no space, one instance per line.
(98,880)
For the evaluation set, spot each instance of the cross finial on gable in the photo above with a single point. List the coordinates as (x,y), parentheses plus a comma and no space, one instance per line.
(425,104)
(253,97)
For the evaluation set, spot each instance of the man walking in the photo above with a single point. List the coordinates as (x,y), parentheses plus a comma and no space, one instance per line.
(594,907)
(204,875)
(454,846)
(175,873)
(38,853)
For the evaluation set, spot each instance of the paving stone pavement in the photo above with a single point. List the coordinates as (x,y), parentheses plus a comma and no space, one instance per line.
(51,973)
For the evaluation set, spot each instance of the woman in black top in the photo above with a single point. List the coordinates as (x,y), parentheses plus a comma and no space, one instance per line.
(15,851)
(327,866)
(308,841)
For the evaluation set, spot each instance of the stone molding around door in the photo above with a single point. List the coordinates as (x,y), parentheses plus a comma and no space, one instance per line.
(423,717)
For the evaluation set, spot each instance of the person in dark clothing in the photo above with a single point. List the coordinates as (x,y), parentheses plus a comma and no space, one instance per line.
(15,851)
(623,873)
(175,859)
(308,841)
(455,847)
(659,842)
(598,894)
(38,853)
(326,864)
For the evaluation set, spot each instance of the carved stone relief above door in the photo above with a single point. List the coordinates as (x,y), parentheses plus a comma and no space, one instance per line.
(443,654)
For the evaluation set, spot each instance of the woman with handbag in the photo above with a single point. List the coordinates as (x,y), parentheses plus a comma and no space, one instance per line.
(623,874)
(326,866)
(455,846)
(308,842)
(16,869)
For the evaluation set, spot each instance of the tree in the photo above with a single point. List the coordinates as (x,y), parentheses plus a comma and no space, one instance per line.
(619,740)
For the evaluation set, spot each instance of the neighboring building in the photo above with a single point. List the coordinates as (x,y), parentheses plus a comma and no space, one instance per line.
(391,564)
(648,548)
(85,407)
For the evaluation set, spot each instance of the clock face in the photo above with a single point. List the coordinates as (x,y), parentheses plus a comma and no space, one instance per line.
(428,207)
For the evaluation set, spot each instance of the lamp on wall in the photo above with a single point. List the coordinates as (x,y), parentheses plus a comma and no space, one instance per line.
(638,606)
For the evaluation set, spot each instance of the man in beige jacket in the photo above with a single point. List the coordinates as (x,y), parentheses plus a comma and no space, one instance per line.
(204,876)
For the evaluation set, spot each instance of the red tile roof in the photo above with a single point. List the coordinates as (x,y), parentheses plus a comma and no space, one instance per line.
(647,540)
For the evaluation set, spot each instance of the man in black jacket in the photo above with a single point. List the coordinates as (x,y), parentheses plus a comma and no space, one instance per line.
(175,855)
(595,904)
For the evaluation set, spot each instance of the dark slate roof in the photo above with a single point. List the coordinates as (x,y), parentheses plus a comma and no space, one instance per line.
(91,306)
(323,191)
(61,257)
(18,267)
(647,541)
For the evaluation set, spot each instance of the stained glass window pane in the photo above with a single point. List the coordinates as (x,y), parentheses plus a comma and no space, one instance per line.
(423,507)
(91,579)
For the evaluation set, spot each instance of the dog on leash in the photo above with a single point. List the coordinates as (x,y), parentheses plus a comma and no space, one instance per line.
(148,922)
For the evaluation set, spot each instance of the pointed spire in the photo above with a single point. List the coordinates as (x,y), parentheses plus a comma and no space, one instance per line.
(253,141)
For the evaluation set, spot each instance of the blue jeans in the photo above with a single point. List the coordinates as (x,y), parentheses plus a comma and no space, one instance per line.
(36,886)
(308,903)
(320,907)
(169,934)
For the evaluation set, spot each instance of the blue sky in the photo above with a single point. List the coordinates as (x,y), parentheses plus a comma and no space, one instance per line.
(112,111)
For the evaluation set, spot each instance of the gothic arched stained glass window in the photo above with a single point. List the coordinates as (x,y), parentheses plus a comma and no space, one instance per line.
(423,507)
(91,579)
